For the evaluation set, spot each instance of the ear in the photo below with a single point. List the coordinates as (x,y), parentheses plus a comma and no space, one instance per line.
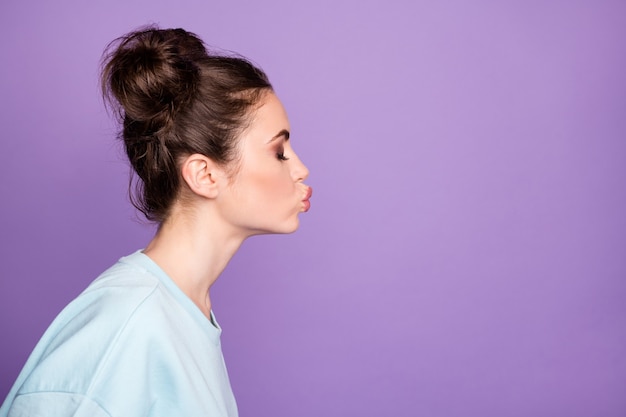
(202,175)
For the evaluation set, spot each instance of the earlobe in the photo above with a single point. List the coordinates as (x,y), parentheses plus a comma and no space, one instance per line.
(201,175)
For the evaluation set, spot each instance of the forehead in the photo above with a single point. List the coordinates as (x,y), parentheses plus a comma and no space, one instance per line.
(268,119)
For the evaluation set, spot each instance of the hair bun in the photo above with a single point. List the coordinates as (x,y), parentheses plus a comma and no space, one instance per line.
(152,75)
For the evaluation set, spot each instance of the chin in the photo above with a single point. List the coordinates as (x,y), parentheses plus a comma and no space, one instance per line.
(284,229)
(288,228)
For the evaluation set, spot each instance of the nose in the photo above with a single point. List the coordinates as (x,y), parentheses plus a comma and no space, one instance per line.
(299,171)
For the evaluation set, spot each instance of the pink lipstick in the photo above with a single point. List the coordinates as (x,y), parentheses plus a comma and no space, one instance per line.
(305,200)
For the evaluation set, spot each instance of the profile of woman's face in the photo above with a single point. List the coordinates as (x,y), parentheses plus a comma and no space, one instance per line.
(267,192)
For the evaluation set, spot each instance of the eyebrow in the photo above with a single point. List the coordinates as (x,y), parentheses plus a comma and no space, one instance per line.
(283,132)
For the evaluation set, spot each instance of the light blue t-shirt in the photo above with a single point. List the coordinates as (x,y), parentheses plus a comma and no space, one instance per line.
(132,344)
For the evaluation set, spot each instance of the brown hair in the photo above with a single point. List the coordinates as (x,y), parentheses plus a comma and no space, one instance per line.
(174,99)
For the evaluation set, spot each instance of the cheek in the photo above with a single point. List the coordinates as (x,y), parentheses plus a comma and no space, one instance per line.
(274,185)
(263,185)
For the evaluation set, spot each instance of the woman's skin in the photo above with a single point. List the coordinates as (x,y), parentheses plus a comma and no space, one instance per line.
(221,206)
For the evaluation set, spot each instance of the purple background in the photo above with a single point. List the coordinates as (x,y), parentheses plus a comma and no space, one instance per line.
(465,254)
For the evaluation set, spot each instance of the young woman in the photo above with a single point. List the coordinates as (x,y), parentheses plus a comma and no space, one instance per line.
(209,141)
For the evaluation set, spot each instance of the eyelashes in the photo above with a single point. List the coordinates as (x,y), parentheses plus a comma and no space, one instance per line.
(280,150)
(280,154)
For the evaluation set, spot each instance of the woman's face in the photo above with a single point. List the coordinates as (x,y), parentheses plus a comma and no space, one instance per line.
(267,191)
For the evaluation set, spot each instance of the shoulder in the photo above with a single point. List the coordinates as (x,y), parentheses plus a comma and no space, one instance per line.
(108,303)
(128,342)
(118,308)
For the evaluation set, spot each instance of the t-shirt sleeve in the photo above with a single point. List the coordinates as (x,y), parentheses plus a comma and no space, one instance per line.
(55,404)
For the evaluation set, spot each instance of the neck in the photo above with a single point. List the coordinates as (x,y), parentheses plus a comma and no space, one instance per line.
(193,251)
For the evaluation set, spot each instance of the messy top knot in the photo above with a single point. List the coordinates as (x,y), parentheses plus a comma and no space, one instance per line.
(174,99)
(152,74)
